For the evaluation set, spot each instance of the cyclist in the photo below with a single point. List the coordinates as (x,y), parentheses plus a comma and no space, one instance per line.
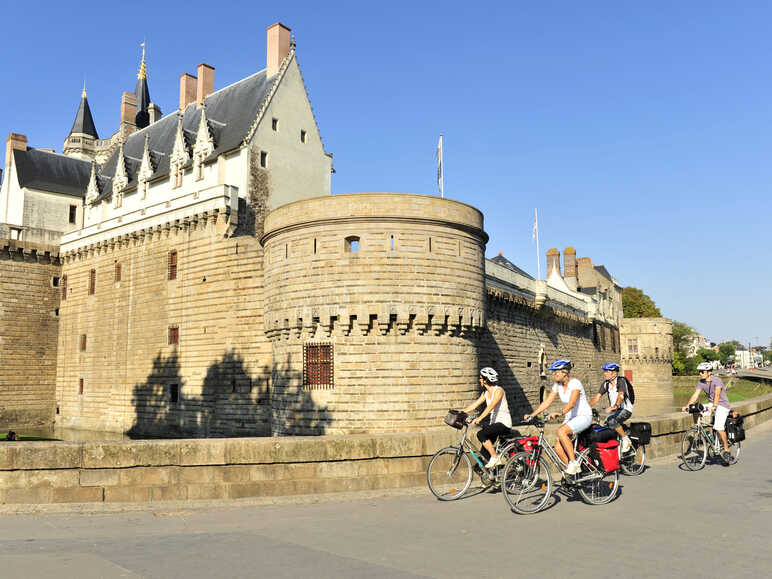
(620,407)
(577,412)
(714,388)
(496,406)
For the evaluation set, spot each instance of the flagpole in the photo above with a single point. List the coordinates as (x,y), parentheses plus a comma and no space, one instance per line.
(536,233)
(440,169)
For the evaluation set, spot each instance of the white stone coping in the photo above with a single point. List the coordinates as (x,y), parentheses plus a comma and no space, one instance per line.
(217,198)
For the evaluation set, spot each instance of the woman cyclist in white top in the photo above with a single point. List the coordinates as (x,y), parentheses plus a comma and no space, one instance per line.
(496,406)
(577,412)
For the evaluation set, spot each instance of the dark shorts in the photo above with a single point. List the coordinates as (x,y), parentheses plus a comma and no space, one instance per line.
(617,417)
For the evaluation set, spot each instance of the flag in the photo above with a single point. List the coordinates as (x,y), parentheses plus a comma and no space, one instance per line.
(440,184)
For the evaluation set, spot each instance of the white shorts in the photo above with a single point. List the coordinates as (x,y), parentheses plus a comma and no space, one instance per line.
(719,422)
(579,423)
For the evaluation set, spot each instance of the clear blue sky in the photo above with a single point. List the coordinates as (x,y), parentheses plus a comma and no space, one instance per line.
(641,130)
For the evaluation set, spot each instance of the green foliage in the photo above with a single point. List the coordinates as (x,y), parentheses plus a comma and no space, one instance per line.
(682,337)
(726,352)
(707,355)
(636,304)
(685,366)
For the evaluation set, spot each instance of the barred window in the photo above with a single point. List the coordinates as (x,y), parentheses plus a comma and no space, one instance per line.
(318,370)
(92,282)
(64,287)
(117,271)
(171,270)
(174,335)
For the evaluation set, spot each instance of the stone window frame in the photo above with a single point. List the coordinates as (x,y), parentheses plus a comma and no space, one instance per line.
(80,386)
(92,282)
(73,216)
(173,335)
(83,342)
(632,346)
(117,271)
(318,366)
(352,244)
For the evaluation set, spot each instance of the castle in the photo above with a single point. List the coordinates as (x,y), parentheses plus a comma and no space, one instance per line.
(193,274)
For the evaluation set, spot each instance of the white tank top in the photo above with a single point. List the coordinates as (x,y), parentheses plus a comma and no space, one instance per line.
(501,412)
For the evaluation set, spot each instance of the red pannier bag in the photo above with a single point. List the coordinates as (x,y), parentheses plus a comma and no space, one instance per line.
(607,454)
(528,442)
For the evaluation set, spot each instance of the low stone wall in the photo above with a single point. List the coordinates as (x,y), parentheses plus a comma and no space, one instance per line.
(160,470)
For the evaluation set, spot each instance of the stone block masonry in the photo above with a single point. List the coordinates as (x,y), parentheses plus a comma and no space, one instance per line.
(29,317)
(163,470)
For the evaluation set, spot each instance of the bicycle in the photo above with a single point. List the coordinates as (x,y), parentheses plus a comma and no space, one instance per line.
(632,462)
(698,442)
(526,480)
(450,471)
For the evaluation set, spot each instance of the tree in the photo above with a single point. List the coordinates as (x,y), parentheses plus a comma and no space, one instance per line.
(726,352)
(682,337)
(636,304)
(707,355)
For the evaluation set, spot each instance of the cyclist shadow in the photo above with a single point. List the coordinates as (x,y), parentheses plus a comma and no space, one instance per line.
(571,495)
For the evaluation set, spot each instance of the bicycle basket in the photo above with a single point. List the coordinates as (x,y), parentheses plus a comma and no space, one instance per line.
(455,418)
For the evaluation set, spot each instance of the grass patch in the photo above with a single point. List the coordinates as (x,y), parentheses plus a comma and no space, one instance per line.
(737,389)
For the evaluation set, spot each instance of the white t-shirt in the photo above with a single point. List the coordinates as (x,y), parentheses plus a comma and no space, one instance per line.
(582,407)
(501,412)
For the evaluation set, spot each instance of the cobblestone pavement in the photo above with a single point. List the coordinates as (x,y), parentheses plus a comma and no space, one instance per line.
(667,523)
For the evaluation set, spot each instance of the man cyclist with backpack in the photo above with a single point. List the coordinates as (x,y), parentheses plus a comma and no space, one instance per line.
(714,388)
(620,398)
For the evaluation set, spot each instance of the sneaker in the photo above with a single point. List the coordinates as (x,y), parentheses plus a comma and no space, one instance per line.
(573,467)
(726,456)
(491,463)
(501,460)
(627,444)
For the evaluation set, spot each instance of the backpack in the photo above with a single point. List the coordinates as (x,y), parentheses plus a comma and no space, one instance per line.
(630,391)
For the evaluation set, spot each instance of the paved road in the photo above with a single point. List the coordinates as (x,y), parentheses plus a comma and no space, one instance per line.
(668,523)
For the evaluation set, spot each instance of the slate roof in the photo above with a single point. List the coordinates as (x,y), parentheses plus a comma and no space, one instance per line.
(504,262)
(84,122)
(230,112)
(52,172)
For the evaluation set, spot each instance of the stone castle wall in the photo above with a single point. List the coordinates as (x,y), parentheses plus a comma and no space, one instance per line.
(221,366)
(403,312)
(522,339)
(29,318)
(647,352)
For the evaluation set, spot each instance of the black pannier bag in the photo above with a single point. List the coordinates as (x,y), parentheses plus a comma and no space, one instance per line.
(735,431)
(641,431)
(455,418)
(597,433)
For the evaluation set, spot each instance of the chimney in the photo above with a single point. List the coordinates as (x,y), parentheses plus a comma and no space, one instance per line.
(187,90)
(553,260)
(128,112)
(14,141)
(569,267)
(154,112)
(205,83)
(277,47)
(584,273)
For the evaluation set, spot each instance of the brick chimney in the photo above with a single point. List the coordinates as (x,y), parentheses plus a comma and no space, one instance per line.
(277,47)
(205,83)
(187,90)
(14,141)
(585,277)
(128,112)
(553,261)
(569,267)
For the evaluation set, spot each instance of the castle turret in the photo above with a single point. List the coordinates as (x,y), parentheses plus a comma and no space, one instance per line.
(81,142)
(142,94)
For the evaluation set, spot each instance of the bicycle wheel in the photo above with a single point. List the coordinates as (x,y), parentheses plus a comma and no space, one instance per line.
(694,449)
(632,462)
(601,490)
(734,451)
(526,484)
(449,473)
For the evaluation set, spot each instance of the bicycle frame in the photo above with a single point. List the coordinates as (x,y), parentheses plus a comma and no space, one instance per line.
(714,442)
(558,463)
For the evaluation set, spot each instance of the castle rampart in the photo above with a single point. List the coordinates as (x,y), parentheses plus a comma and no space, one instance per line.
(392,286)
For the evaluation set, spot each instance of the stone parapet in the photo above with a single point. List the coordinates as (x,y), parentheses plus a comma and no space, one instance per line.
(162,470)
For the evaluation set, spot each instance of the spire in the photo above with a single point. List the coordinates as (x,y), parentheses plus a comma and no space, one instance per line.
(142,93)
(84,122)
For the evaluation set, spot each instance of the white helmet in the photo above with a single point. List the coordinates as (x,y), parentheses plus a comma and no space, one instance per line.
(490,374)
(704,366)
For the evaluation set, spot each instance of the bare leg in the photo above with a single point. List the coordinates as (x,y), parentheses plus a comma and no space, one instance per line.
(722,434)
(564,437)
(489,447)
(560,451)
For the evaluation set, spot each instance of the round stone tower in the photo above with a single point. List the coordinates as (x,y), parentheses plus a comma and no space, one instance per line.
(373,305)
